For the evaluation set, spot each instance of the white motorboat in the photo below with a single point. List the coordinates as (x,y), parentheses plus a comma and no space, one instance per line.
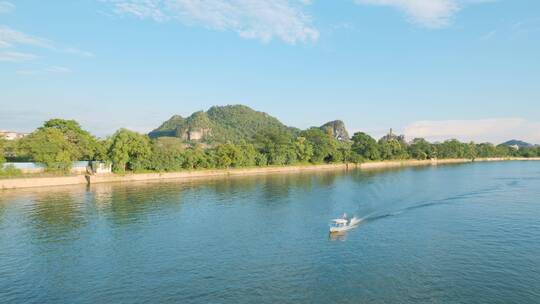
(343,224)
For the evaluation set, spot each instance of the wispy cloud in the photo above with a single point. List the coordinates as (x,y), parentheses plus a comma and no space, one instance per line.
(46,70)
(428,13)
(6,7)
(16,56)
(11,41)
(11,38)
(76,51)
(494,130)
(252,19)
(489,35)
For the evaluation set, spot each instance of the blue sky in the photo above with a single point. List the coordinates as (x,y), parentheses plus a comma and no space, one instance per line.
(434,68)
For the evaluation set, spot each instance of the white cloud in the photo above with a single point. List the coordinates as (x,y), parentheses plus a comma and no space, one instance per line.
(46,70)
(252,19)
(428,13)
(142,9)
(494,130)
(15,56)
(11,38)
(76,51)
(58,69)
(6,7)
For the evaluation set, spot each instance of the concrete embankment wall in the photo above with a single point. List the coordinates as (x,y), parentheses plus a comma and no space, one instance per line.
(198,174)
(31,182)
(17,183)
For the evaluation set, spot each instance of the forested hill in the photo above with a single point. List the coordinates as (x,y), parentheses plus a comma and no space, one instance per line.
(519,143)
(220,124)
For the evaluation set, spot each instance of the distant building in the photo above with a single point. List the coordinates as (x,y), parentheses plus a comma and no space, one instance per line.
(9,135)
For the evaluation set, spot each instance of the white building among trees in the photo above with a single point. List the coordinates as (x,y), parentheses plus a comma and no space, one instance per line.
(9,135)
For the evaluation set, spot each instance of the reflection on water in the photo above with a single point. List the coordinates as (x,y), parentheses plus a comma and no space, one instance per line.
(459,234)
(61,217)
(338,236)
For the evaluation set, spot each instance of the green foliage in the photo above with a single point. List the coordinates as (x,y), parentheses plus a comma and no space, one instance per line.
(393,149)
(228,155)
(51,147)
(168,128)
(528,152)
(58,143)
(471,151)
(234,124)
(249,155)
(129,151)
(2,151)
(237,137)
(277,144)
(344,152)
(486,150)
(9,171)
(87,147)
(365,146)
(324,145)
(303,149)
(421,149)
(197,158)
(451,149)
(261,160)
(167,155)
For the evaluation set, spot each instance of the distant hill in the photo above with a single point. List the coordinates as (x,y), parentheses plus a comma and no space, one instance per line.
(519,143)
(219,124)
(338,129)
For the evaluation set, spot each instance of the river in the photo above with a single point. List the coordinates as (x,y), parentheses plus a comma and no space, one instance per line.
(465,233)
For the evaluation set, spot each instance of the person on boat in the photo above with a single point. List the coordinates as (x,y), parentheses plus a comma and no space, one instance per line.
(346,217)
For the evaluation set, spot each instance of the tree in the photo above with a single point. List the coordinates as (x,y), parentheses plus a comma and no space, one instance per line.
(87,147)
(167,154)
(303,149)
(324,144)
(228,155)
(528,152)
(2,158)
(261,160)
(392,149)
(421,149)
(249,154)
(365,146)
(506,151)
(471,151)
(343,152)
(276,144)
(129,151)
(451,149)
(50,146)
(486,150)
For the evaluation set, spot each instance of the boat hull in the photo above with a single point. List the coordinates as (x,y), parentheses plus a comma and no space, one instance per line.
(354,222)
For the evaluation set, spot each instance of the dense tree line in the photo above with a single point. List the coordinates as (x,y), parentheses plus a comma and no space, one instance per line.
(395,147)
(60,142)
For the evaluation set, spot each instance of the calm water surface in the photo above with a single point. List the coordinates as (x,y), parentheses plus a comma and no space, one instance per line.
(449,234)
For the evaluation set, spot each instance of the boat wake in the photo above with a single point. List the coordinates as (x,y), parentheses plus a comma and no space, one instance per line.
(378,215)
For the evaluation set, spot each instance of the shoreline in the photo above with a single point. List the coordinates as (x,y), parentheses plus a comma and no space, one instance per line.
(33,182)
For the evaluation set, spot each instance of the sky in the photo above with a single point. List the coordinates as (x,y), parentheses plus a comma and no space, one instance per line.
(439,69)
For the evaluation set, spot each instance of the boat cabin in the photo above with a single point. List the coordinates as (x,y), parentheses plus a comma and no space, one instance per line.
(338,223)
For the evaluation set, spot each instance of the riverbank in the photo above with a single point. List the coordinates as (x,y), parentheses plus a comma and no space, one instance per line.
(31,182)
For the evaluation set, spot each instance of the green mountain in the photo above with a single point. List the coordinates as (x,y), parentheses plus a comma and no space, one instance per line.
(219,124)
(519,143)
